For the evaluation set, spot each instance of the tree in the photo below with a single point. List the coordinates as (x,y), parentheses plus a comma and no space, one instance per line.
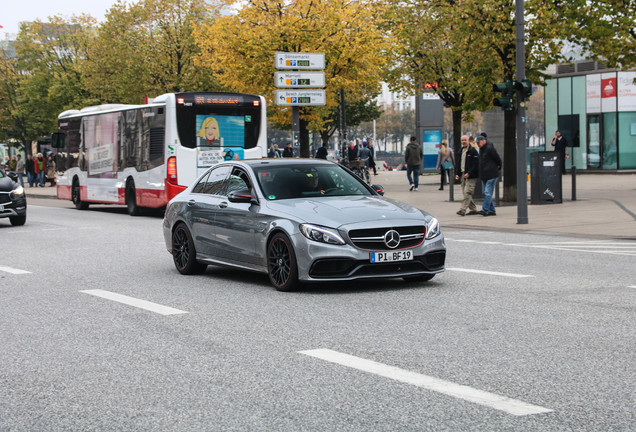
(146,49)
(41,76)
(239,49)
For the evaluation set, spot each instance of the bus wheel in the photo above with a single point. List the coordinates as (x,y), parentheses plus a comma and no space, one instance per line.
(75,196)
(131,199)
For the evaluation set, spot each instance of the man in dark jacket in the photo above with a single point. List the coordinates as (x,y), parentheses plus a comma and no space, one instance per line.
(413,160)
(489,166)
(322,152)
(288,152)
(469,172)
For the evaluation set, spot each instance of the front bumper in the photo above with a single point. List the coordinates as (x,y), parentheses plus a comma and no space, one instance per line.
(323,262)
(15,207)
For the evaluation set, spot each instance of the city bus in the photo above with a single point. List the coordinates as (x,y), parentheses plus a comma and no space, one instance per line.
(141,156)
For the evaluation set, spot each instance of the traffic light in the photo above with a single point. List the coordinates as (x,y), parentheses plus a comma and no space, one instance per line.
(505,100)
(524,87)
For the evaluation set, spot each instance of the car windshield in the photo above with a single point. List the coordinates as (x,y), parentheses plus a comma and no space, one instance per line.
(304,181)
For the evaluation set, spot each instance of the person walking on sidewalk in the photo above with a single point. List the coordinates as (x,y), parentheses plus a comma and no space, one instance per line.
(413,160)
(560,144)
(469,171)
(445,161)
(372,158)
(30,169)
(19,169)
(489,166)
(39,163)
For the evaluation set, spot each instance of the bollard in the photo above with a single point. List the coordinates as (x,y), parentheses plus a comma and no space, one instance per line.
(451,184)
(497,191)
(573,183)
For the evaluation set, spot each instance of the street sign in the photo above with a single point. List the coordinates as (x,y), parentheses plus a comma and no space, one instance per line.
(292,60)
(299,79)
(300,97)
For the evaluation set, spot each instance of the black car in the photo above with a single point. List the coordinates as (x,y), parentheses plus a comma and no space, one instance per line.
(13,202)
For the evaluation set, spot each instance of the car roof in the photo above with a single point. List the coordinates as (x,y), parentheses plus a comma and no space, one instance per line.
(285,161)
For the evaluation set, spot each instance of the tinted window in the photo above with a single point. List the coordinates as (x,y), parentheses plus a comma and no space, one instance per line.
(200,186)
(216,180)
(238,181)
(304,180)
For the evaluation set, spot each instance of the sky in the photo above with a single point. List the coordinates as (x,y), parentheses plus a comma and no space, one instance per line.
(12,12)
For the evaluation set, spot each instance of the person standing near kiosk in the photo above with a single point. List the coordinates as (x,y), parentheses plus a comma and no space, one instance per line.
(560,144)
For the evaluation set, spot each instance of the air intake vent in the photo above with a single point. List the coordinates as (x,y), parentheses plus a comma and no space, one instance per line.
(585,66)
(565,69)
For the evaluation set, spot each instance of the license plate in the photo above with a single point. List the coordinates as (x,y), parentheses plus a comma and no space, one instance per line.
(378,257)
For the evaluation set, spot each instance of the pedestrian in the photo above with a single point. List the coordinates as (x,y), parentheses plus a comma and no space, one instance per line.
(468,173)
(19,168)
(352,152)
(39,163)
(30,170)
(51,169)
(365,156)
(372,159)
(322,152)
(489,166)
(473,144)
(12,163)
(445,161)
(560,144)
(413,160)
(288,152)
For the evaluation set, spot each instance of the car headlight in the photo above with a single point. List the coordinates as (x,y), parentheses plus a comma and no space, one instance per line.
(17,192)
(321,234)
(432,229)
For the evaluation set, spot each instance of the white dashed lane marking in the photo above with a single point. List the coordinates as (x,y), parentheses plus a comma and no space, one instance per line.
(13,270)
(131,301)
(492,400)
(492,273)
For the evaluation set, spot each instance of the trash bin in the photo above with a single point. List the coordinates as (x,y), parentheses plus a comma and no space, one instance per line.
(545,178)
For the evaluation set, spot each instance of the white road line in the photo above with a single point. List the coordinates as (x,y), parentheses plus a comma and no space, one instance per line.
(502,403)
(494,273)
(131,301)
(631,286)
(599,247)
(13,270)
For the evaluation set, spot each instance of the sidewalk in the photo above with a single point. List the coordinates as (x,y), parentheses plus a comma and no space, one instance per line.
(605,206)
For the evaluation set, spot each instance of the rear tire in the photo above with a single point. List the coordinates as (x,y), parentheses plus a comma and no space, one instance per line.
(281,263)
(76,197)
(184,253)
(17,220)
(419,278)
(131,199)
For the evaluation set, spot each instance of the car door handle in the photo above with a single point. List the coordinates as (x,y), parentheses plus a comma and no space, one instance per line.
(191,203)
(223,204)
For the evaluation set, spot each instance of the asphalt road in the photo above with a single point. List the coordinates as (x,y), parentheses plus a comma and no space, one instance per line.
(523,332)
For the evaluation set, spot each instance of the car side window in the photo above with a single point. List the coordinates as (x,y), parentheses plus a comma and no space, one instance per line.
(238,181)
(200,186)
(216,180)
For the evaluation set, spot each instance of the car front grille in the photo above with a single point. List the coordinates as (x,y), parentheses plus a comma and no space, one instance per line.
(351,269)
(4,198)
(373,239)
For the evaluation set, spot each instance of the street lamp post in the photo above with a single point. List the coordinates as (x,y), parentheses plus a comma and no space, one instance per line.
(520,61)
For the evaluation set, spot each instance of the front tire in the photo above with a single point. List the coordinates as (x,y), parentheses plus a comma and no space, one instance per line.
(184,253)
(76,197)
(17,220)
(281,263)
(131,199)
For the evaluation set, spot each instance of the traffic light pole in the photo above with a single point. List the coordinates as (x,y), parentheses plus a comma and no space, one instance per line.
(520,60)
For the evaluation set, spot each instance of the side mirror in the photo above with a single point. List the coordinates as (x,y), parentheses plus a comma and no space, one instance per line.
(240,196)
(379,189)
(13,176)
(57,140)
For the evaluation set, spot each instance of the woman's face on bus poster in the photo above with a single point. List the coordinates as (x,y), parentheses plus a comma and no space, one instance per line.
(210,130)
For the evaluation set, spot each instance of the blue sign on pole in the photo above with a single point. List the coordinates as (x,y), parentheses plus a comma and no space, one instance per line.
(431,142)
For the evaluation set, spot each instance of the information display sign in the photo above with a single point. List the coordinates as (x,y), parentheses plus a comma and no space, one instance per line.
(292,60)
(299,79)
(300,97)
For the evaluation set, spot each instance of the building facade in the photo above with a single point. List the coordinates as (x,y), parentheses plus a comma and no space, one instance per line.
(595,110)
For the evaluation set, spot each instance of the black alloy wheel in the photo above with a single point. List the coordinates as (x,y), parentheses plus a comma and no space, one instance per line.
(184,254)
(281,263)
(76,197)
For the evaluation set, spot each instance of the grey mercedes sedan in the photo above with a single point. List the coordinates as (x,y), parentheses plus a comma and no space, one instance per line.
(299,220)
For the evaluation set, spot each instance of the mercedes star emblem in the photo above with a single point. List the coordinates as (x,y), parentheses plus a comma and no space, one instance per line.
(392,239)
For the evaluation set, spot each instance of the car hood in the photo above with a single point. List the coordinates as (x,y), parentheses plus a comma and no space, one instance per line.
(6,184)
(338,211)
